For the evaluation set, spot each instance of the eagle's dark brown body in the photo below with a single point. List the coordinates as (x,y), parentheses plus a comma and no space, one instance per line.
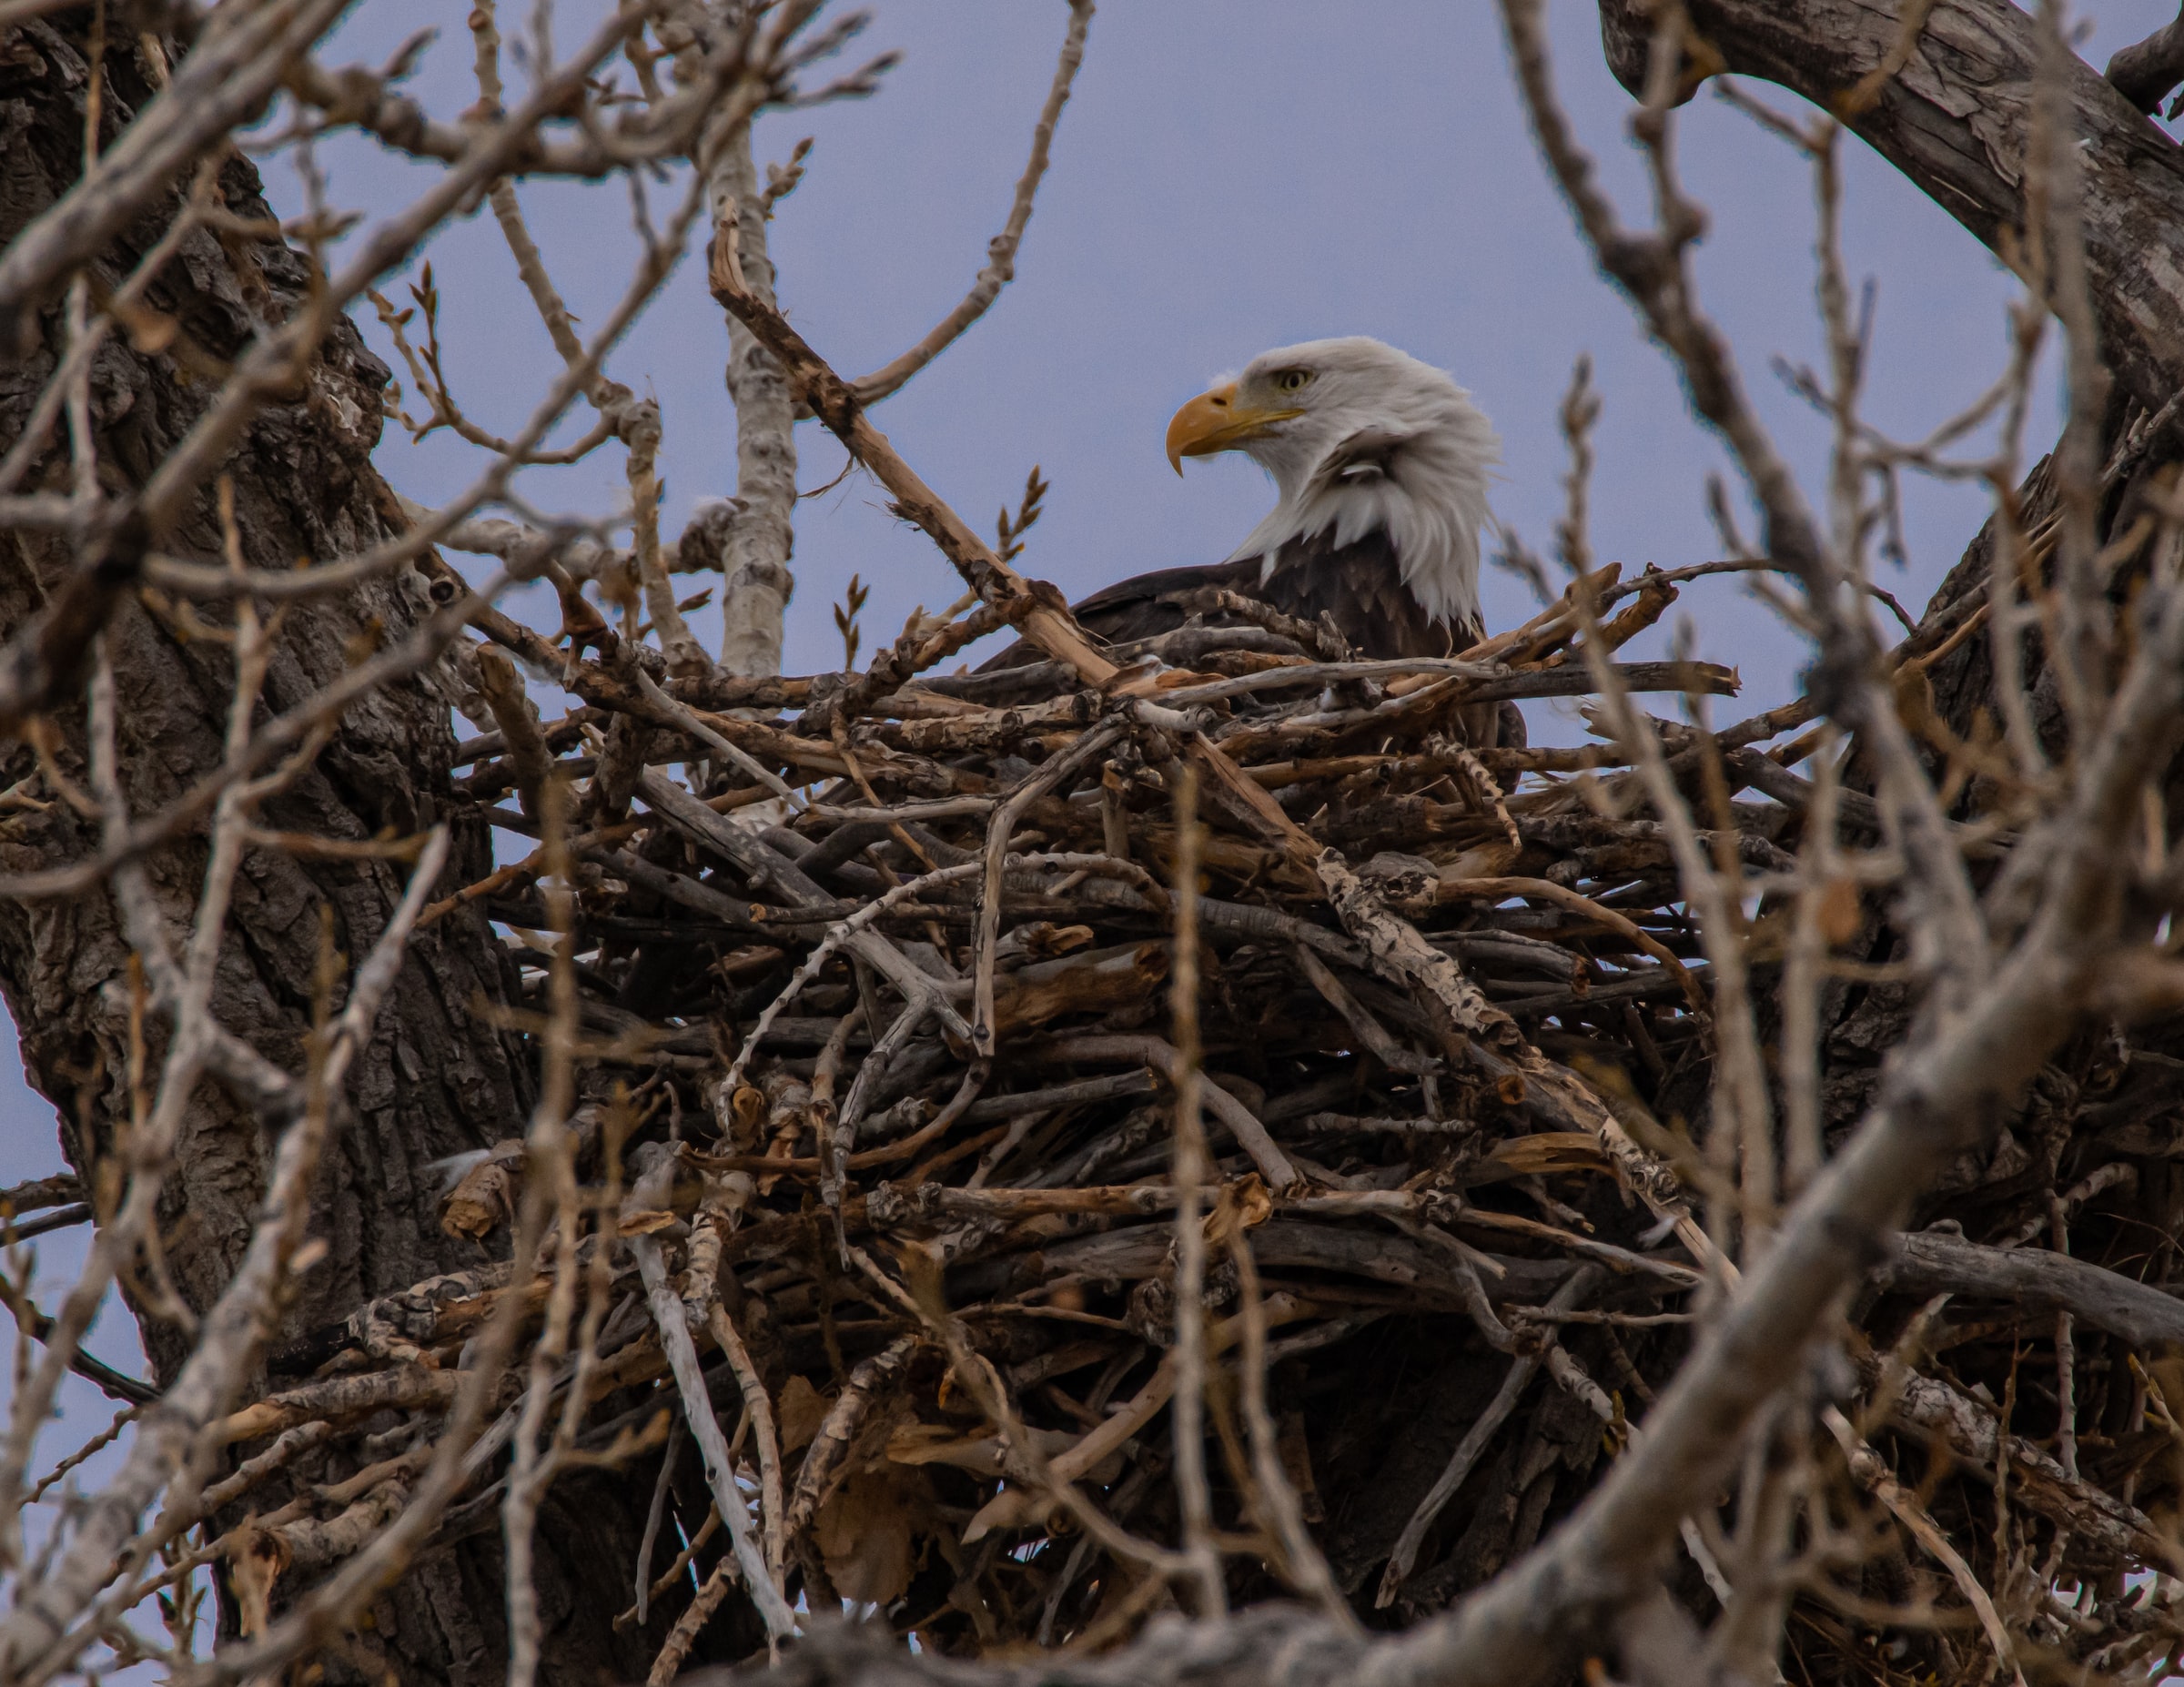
(1358,586)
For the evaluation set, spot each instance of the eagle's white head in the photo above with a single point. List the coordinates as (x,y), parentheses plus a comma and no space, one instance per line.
(1358,436)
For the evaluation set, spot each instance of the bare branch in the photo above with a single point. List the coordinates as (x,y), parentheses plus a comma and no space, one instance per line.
(2145,72)
(1001,251)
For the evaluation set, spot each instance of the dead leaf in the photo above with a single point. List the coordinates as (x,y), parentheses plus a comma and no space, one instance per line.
(644,1221)
(868,1532)
(1043,940)
(480,1203)
(1915,701)
(1840,914)
(799,1410)
(1481,861)
(2167,1374)
(936,1443)
(1551,1152)
(151,331)
(746,1107)
(1243,1205)
(255,1558)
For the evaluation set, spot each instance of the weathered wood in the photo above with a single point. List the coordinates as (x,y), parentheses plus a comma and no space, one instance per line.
(1933,1262)
(1955,121)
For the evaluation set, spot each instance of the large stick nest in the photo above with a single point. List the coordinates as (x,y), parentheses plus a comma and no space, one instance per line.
(1454,1074)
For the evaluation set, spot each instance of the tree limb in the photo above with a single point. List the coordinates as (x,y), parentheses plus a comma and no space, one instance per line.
(2145,71)
(1956,121)
(1933,1262)
(1001,254)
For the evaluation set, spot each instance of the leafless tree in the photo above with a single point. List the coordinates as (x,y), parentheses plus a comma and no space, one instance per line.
(1156,1163)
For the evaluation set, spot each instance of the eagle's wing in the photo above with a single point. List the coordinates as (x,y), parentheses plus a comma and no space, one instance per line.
(1359,586)
(1146,606)
(1142,607)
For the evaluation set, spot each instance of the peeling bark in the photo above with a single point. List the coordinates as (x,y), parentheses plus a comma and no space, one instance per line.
(1954,122)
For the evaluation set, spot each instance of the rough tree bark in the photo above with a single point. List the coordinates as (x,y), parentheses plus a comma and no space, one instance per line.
(1955,120)
(438,1078)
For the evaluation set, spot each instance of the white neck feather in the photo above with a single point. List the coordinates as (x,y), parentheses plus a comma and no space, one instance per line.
(1431,501)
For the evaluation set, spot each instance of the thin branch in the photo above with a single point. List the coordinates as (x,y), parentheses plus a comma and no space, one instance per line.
(1001,251)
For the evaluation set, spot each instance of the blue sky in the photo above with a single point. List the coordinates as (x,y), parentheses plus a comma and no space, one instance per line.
(1230,177)
(1232,174)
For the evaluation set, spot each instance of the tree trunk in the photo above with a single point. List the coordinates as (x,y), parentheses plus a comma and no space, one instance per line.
(439,1077)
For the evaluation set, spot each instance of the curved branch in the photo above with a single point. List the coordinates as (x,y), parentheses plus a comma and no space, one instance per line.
(2146,70)
(1956,120)
(1001,254)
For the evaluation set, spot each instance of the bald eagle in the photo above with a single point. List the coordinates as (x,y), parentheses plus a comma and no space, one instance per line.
(1381,464)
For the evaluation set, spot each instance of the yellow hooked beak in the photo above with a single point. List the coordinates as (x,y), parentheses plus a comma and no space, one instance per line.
(1214,421)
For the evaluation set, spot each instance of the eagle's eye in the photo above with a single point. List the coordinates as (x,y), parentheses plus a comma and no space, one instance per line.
(1292,381)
